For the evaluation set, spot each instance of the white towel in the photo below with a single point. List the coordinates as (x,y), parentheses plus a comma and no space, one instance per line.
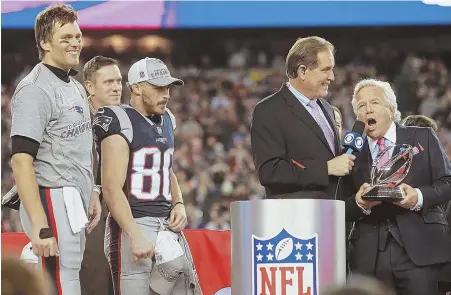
(28,255)
(167,247)
(74,208)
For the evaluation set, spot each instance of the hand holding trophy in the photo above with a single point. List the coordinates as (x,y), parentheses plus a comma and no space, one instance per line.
(386,177)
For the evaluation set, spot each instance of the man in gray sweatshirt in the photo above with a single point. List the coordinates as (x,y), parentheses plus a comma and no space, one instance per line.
(52,150)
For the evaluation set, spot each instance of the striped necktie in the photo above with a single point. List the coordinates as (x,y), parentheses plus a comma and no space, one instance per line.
(381,147)
(328,133)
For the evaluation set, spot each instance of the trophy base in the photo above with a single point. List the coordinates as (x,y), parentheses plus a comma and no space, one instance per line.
(383,194)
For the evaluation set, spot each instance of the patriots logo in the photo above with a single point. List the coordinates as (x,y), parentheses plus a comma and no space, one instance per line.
(284,264)
(77,109)
(103,122)
(159,130)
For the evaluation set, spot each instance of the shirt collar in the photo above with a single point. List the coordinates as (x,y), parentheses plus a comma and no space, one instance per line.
(301,97)
(390,135)
(61,74)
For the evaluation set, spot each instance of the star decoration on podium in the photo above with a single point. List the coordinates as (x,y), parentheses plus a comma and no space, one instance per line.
(303,251)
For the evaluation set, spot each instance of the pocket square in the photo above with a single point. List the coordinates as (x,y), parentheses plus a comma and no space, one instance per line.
(414,149)
(421,147)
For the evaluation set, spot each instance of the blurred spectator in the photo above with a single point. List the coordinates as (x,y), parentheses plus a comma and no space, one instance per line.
(219,218)
(21,278)
(420,121)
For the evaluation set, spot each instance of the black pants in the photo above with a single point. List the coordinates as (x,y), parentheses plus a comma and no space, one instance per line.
(95,276)
(396,269)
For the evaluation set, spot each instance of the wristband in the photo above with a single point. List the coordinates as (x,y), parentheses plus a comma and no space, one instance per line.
(177,204)
(45,233)
(97,189)
(173,206)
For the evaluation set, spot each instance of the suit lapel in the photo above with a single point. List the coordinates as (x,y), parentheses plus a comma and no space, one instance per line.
(364,162)
(301,112)
(403,136)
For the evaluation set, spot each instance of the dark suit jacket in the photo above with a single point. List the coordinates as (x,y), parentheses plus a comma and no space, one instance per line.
(290,149)
(423,233)
(95,278)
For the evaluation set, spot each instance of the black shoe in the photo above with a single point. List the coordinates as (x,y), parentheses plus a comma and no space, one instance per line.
(11,199)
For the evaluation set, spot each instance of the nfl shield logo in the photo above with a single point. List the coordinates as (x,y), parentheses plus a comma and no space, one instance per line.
(285,264)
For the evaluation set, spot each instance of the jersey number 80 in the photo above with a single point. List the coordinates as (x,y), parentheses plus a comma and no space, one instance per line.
(159,173)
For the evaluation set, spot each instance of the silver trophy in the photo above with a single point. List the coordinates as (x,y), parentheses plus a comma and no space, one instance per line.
(385,177)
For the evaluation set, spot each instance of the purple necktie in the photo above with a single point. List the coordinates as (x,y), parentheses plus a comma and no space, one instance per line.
(328,133)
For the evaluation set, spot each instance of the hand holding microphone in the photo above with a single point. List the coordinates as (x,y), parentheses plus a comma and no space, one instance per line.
(341,165)
(353,141)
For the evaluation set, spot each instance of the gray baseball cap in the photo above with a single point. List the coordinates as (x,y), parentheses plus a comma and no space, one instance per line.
(163,277)
(151,70)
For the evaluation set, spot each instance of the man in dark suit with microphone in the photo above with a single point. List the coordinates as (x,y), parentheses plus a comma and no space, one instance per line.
(405,243)
(294,139)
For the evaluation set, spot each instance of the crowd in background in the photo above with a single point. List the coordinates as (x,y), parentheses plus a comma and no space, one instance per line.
(213,160)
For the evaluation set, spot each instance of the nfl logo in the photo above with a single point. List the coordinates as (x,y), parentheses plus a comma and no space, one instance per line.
(285,265)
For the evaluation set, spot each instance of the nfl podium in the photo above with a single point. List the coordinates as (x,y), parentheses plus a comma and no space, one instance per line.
(287,247)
